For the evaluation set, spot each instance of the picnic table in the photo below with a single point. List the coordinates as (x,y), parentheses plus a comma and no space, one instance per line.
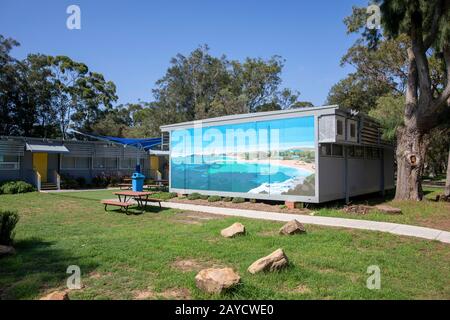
(141,198)
(125,186)
(162,182)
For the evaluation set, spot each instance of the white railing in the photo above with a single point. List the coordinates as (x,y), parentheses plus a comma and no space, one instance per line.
(56,179)
(37,180)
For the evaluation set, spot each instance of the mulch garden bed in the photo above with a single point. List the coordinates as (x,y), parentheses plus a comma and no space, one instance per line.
(260,206)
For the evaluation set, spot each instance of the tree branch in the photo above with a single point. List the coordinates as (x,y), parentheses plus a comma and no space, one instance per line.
(411,88)
(428,41)
(445,95)
(423,71)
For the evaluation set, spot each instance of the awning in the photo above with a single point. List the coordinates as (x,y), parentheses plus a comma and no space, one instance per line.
(46,148)
(145,144)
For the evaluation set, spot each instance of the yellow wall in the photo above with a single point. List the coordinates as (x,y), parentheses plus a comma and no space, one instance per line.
(40,161)
(154,163)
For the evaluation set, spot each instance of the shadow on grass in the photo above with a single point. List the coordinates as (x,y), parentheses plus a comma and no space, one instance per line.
(366,199)
(35,268)
(136,211)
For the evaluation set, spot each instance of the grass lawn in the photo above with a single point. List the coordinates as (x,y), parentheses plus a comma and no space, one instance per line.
(144,256)
(427,213)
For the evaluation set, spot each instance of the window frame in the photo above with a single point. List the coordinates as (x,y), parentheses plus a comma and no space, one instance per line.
(75,163)
(16,164)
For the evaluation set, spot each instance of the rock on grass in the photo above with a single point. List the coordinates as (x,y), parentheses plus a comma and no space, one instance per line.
(216,280)
(274,261)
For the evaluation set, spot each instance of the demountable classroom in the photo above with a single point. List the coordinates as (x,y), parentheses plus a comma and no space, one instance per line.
(311,155)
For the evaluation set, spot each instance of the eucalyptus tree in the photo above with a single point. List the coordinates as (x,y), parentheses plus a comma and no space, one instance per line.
(419,70)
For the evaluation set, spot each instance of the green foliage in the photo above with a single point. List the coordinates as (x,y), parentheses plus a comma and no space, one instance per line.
(104,180)
(13,187)
(238,200)
(8,221)
(204,197)
(227,199)
(194,196)
(214,198)
(69,182)
(41,95)
(200,85)
(389,113)
(253,200)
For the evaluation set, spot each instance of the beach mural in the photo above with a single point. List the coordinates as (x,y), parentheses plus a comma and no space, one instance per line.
(275,157)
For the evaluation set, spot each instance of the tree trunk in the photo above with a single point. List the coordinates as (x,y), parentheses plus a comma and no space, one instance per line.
(411,148)
(447,181)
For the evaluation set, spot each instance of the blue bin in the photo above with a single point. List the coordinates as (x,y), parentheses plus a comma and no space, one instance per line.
(137,181)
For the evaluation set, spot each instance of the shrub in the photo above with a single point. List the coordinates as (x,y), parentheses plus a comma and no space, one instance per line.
(253,200)
(194,196)
(214,198)
(227,199)
(8,221)
(13,187)
(173,195)
(69,182)
(238,200)
(204,197)
(81,182)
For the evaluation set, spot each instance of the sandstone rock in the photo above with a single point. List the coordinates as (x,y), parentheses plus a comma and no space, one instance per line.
(388,209)
(56,295)
(235,229)
(216,280)
(274,261)
(6,250)
(292,227)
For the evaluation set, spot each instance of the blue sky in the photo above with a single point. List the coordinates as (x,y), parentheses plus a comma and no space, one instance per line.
(131,42)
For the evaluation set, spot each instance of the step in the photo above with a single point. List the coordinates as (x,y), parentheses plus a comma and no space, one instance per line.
(48,186)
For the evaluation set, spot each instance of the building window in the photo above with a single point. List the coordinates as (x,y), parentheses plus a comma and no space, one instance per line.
(81,163)
(337,150)
(130,163)
(339,128)
(376,153)
(351,151)
(325,150)
(352,130)
(9,162)
(359,152)
(105,163)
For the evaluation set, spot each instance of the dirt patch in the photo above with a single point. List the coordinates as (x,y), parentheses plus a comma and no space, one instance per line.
(268,233)
(357,209)
(98,275)
(185,221)
(144,294)
(188,265)
(176,294)
(260,206)
(302,289)
(196,218)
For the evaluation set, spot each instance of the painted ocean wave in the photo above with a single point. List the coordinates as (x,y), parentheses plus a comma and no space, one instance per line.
(278,187)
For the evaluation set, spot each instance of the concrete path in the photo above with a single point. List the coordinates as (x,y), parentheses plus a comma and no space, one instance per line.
(395,228)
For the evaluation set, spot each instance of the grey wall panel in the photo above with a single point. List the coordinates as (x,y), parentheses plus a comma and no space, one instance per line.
(364,176)
(389,180)
(331,178)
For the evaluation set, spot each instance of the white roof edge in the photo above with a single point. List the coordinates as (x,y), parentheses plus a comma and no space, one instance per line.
(249,115)
(46,148)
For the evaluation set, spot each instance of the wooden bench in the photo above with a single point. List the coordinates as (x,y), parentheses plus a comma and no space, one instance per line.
(124,186)
(120,204)
(152,200)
